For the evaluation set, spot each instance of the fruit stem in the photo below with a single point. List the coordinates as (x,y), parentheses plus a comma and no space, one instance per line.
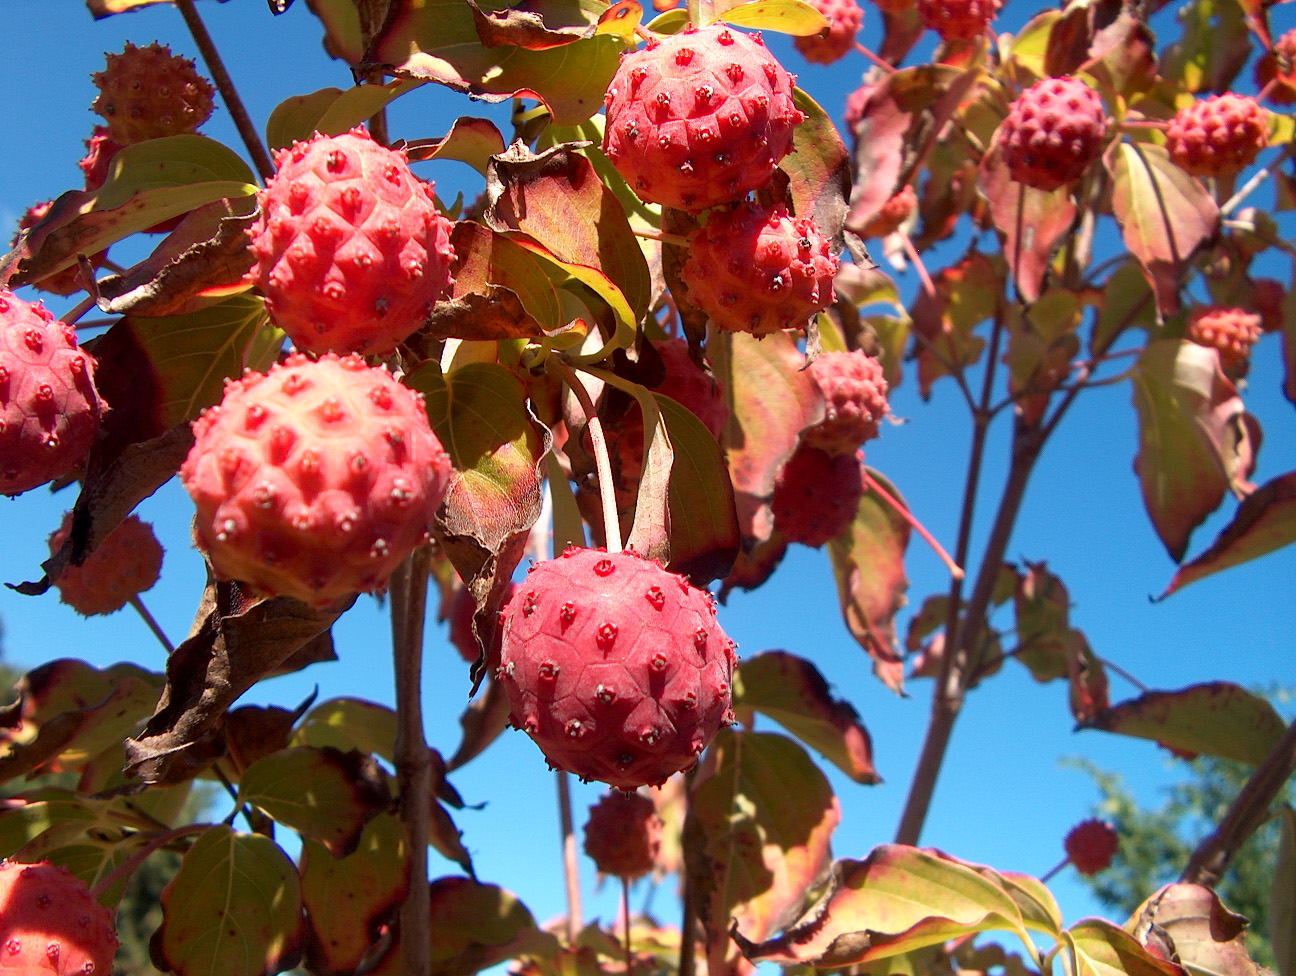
(143,611)
(413,760)
(625,908)
(129,866)
(919,267)
(571,861)
(886,66)
(1053,871)
(902,510)
(211,57)
(603,467)
(1256,179)
(661,236)
(79,310)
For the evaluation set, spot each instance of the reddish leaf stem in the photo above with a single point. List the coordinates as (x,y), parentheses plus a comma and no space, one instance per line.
(132,863)
(886,66)
(902,510)
(598,443)
(571,860)
(661,236)
(413,759)
(143,611)
(211,57)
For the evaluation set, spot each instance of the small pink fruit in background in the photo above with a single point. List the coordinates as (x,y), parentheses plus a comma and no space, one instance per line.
(1054,131)
(855,401)
(616,668)
(314,480)
(844,19)
(1219,135)
(1091,845)
(49,407)
(351,252)
(126,563)
(759,270)
(1231,332)
(148,92)
(817,495)
(50,925)
(623,834)
(958,20)
(700,118)
(898,208)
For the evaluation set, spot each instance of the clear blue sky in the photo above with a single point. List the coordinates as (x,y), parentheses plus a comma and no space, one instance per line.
(1004,799)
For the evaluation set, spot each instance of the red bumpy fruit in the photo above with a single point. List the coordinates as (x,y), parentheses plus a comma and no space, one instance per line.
(49,408)
(1091,845)
(855,401)
(758,270)
(148,92)
(50,925)
(351,252)
(623,834)
(126,563)
(817,494)
(1219,135)
(958,20)
(892,214)
(1231,332)
(844,18)
(1053,132)
(315,479)
(700,118)
(616,668)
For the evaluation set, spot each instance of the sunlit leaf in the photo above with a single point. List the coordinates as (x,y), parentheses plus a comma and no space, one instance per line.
(470,140)
(1100,948)
(818,167)
(786,16)
(350,723)
(1033,222)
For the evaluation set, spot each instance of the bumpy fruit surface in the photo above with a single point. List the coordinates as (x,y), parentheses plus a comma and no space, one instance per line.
(351,251)
(49,408)
(100,150)
(1053,132)
(844,18)
(700,118)
(148,92)
(1229,331)
(893,213)
(50,925)
(623,834)
(817,494)
(758,270)
(1091,845)
(126,563)
(855,401)
(1218,135)
(616,668)
(958,20)
(314,480)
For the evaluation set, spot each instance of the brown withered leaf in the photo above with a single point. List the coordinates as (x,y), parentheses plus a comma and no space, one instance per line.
(255,731)
(234,644)
(1203,935)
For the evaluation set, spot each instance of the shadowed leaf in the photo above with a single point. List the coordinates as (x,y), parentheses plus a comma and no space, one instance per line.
(791,690)
(1282,900)
(295,118)
(233,908)
(482,721)
(966,294)
(324,794)
(868,564)
(1042,605)
(761,819)
(350,723)
(1100,948)
(1265,521)
(1207,939)
(475,926)
(1215,719)
(348,899)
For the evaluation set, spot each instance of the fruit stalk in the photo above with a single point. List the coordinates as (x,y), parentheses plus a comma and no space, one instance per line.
(413,761)
(571,857)
(602,464)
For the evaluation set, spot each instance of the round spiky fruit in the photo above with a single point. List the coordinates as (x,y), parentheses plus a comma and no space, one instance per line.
(148,92)
(817,494)
(855,401)
(49,408)
(958,20)
(1053,132)
(126,563)
(756,269)
(51,926)
(616,668)
(700,118)
(1275,71)
(1219,135)
(892,214)
(1091,845)
(1230,331)
(623,834)
(314,480)
(351,252)
(844,19)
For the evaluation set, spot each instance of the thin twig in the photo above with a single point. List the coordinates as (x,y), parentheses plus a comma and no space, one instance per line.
(143,611)
(660,236)
(1254,182)
(79,310)
(571,859)
(886,66)
(872,485)
(211,57)
(625,907)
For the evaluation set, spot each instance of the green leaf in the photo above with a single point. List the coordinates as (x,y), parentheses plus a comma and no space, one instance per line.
(325,794)
(470,140)
(1282,901)
(895,901)
(1100,948)
(793,692)
(233,909)
(764,815)
(360,103)
(350,723)
(295,118)
(868,564)
(475,926)
(1214,719)
(1164,213)
(1188,416)
(785,16)
(818,168)
(1265,522)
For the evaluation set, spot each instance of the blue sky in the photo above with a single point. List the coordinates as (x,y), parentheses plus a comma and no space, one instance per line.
(1004,799)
